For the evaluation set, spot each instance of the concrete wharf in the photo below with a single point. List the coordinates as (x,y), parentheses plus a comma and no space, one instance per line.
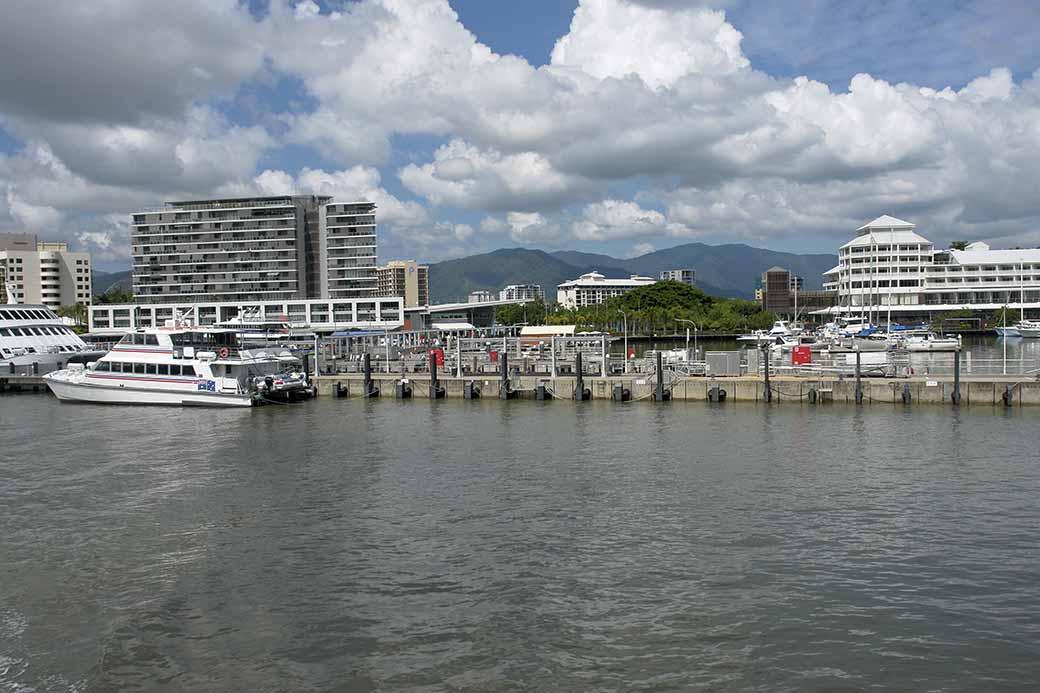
(785,389)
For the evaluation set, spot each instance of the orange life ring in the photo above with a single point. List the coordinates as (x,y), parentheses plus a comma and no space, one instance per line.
(223,352)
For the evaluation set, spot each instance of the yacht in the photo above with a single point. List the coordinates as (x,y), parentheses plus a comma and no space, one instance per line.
(930,341)
(780,329)
(1029,329)
(182,366)
(33,334)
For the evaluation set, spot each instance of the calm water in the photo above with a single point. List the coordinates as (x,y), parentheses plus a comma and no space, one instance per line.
(361,545)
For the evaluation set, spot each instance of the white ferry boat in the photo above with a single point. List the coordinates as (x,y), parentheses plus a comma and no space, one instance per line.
(33,334)
(181,366)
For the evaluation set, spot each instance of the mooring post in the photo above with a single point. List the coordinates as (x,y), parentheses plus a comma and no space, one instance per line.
(603,355)
(768,394)
(434,388)
(579,381)
(36,368)
(660,379)
(503,389)
(956,397)
(366,367)
(859,384)
(552,351)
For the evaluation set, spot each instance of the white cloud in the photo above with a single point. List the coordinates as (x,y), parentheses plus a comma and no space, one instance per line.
(532,227)
(616,38)
(616,219)
(641,249)
(466,177)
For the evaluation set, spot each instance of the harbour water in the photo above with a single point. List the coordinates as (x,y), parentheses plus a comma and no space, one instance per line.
(482,545)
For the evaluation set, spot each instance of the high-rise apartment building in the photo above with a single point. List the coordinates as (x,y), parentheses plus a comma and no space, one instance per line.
(254,249)
(686,276)
(44,272)
(521,292)
(407,279)
(348,251)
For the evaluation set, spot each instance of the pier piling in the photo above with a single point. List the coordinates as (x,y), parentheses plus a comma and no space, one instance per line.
(505,390)
(906,393)
(859,376)
(767,395)
(956,396)
(581,393)
(660,393)
(436,391)
(368,388)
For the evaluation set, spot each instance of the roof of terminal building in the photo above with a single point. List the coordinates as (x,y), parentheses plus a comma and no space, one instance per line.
(876,235)
(997,257)
(887,222)
(597,279)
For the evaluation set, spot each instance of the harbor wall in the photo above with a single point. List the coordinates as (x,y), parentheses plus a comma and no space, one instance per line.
(988,391)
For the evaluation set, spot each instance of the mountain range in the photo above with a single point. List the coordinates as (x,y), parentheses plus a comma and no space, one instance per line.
(732,270)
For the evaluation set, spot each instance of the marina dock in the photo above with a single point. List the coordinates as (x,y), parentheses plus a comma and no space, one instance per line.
(22,383)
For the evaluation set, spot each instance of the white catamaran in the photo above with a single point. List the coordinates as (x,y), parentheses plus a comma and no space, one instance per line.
(181,366)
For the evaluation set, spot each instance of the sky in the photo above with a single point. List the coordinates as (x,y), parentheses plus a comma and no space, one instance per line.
(613,126)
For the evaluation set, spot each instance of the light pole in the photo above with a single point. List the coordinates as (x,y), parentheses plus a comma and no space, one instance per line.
(625,318)
(695,328)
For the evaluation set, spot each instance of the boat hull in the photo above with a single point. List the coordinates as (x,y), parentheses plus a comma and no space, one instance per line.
(71,391)
(1008,332)
(1029,332)
(933,346)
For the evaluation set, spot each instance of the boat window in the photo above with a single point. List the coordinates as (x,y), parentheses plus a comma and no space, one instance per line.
(4,315)
(127,339)
(117,366)
(102,367)
(175,369)
(17,332)
(138,369)
(164,369)
(4,332)
(150,369)
(151,340)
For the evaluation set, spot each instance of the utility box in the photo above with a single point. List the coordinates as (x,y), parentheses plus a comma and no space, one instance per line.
(722,363)
(801,355)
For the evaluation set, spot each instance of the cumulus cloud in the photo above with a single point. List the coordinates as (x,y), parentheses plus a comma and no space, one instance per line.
(659,43)
(615,219)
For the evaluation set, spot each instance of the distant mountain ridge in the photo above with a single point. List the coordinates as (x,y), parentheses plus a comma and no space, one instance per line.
(101,282)
(732,270)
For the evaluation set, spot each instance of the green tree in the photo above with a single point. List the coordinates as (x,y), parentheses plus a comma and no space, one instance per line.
(115,295)
(958,245)
(77,312)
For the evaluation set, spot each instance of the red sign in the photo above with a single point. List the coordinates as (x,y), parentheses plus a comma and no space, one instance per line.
(631,352)
(438,354)
(494,356)
(801,355)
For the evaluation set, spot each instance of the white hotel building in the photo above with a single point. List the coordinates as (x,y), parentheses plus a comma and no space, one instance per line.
(889,267)
(593,288)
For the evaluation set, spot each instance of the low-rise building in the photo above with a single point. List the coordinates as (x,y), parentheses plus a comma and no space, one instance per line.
(317,315)
(44,273)
(405,278)
(521,292)
(594,288)
(685,276)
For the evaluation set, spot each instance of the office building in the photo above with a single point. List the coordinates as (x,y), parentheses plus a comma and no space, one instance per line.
(594,288)
(521,292)
(890,268)
(405,278)
(777,294)
(685,276)
(44,272)
(254,249)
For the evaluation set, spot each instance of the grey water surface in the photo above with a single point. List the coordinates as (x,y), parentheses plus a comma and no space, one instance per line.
(383,545)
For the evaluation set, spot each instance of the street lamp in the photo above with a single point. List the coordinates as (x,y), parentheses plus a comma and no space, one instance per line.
(695,328)
(625,317)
